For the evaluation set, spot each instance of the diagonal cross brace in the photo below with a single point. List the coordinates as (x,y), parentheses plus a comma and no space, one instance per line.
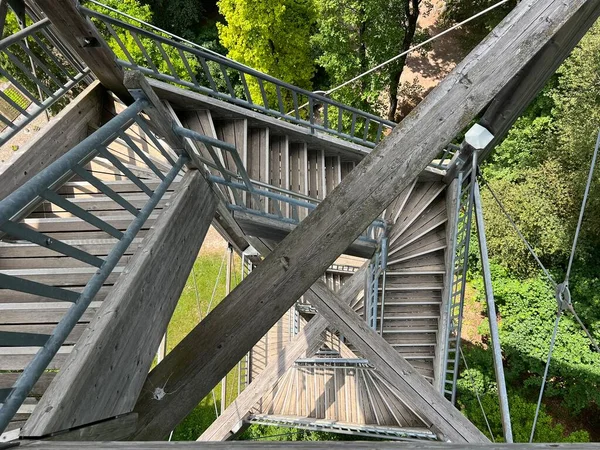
(202,359)
(305,343)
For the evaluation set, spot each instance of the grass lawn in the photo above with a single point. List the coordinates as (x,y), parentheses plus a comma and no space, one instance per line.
(192,306)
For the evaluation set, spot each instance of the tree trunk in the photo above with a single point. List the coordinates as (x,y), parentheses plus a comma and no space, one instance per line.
(411,8)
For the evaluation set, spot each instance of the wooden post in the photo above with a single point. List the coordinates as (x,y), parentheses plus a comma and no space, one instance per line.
(209,351)
(104,374)
(81,35)
(304,344)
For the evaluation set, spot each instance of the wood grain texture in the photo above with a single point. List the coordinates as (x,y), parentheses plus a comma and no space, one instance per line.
(237,323)
(63,132)
(326,445)
(111,363)
(427,402)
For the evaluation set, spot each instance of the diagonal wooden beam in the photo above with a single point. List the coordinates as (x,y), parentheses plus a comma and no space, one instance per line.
(82,36)
(422,397)
(305,343)
(515,97)
(236,324)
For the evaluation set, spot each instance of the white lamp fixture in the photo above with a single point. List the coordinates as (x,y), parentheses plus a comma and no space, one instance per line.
(478,137)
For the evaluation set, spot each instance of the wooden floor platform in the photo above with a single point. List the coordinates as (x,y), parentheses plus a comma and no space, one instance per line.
(48,445)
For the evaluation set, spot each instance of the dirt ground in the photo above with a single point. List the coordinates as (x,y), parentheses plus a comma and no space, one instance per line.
(423,72)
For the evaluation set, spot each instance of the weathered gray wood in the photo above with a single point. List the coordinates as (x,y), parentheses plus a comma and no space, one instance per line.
(191,370)
(325,445)
(161,121)
(510,103)
(117,428)
(80,34)
(112,360)
(304,344)
(185,100)
(63,132)
(417,392)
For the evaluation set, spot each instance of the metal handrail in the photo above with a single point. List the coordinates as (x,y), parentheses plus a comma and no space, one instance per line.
(52,73)
(227,64)
(43,186)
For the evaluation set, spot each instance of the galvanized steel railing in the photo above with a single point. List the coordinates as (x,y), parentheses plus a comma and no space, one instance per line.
(41,72)
(459,251)
(43,187)
(174,61)
(375,286)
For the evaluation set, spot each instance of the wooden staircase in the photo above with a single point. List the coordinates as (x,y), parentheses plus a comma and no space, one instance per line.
(415,274)
(37,315)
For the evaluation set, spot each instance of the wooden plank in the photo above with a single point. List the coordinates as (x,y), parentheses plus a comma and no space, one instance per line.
(7,380)
(304,343)
(277,230)
(116,428)
(306,445)
(62,133)
(185,100)
(111,345)
(80,34)
(229,331)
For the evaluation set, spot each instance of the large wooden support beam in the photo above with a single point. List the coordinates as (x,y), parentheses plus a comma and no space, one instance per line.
(81,35)
(426,401)
(515,97)
(236,324)
(510,103)
(104,374)
(306,343)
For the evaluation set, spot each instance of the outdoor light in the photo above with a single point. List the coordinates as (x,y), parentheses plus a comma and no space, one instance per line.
(478,137)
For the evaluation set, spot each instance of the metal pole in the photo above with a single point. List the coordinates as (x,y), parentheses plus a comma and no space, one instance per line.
(491,307)
(227,291)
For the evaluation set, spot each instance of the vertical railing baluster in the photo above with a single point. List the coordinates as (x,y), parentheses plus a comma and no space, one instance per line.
(188,69)
(209,77)
(167,60)
(227,80)
(144,52)
(246,89)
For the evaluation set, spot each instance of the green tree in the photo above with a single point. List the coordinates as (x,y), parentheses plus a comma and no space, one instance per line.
(180,17)
(271,36)
(356,35)
(457,11)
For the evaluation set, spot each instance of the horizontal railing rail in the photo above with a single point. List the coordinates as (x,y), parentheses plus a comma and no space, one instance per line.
(175,61)
(44,186)
(40,75)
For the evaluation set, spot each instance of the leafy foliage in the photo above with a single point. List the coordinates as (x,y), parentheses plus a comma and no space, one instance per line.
(271,37)
(356,35)
(459,10)
(154,54)
(180,17)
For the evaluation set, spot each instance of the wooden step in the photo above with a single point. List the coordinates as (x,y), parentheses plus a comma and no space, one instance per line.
(420,229)
(40,312)
(17,358)
(64,276)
